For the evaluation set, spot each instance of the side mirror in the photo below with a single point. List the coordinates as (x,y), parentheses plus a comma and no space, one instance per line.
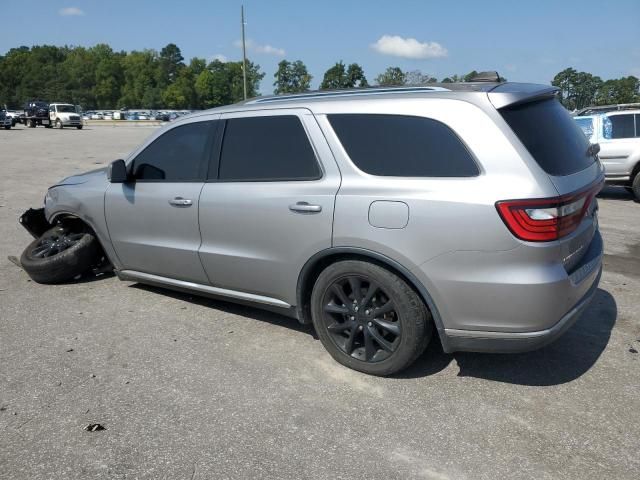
(593,149)
(117,172)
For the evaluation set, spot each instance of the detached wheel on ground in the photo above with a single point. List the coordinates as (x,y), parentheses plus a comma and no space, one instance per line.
(60,255)
(368,318)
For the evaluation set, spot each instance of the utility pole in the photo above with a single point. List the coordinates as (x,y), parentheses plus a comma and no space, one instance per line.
(244,55)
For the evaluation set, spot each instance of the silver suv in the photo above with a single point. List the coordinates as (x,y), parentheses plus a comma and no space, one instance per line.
(618,134)
(380,216)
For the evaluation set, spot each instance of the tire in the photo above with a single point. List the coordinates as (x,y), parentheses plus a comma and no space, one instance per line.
(7,127)
(61,261)
(59,125)
(79,127)
(635,187)
(32,124)
(396,338)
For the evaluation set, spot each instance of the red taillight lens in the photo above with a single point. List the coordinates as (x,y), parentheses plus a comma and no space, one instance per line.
(544,220)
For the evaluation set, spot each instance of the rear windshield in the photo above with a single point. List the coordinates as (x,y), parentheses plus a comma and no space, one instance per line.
(552,137)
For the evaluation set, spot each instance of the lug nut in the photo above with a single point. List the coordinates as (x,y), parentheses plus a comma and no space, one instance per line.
(352,318)
(370,324)
(367,312)
(356,309)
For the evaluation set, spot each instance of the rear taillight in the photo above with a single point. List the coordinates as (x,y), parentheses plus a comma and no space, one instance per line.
(544,220)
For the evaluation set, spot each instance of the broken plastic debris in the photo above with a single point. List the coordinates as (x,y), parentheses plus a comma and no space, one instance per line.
(94,427)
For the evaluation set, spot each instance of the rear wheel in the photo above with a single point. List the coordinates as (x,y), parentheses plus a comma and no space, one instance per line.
(60,255)
(635,187)
(59,124)
(368,318)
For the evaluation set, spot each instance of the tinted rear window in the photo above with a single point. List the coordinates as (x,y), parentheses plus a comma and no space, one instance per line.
(550,135)
(403,146)
(623,126)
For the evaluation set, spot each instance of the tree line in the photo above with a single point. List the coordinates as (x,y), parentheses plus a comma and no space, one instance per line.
(100,78)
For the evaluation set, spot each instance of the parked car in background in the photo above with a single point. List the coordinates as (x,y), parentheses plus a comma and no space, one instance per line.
(107,116)
(162,116)
(64,115)
(14,116)
(618,134)
(381,217)
(5,121)
(97,116)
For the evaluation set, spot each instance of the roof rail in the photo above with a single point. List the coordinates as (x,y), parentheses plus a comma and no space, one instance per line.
(348,92)
(607,108)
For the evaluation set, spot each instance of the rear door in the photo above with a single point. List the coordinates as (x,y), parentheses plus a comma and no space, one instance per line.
(619,139)
(269,206)
(153,220)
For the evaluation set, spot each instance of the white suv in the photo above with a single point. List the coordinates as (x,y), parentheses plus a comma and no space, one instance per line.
(618,134)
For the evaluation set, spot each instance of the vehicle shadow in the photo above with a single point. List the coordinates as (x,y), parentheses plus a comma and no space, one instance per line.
(616,193)
(565,360)
(233,308)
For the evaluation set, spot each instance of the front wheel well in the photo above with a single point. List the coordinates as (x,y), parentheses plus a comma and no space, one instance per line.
(77,224)
(634,172)
(317,264)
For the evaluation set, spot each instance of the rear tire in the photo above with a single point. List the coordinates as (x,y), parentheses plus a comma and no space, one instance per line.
(58,124)
(635,187)
(368,318)
(59,255)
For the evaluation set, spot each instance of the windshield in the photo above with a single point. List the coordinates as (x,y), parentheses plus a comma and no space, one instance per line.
(66,108)
(550,135)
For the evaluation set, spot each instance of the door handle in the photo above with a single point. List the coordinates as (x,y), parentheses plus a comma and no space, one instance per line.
(304,207)
(180,202)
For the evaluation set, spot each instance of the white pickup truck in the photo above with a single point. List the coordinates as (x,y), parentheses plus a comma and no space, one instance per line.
(618,133)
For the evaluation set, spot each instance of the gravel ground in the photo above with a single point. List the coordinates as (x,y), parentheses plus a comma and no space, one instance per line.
(193,388)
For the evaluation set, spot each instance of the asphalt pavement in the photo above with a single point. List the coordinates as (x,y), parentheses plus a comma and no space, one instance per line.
(191,388)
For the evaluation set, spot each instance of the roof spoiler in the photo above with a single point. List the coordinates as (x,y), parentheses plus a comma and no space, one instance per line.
(510,94)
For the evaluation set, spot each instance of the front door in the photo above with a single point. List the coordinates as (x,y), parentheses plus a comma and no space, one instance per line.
(271,206)
(153,220)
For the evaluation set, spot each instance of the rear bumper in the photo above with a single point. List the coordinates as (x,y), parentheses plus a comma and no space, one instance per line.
(512,342)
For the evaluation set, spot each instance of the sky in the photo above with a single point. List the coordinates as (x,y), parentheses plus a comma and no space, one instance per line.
(524,41)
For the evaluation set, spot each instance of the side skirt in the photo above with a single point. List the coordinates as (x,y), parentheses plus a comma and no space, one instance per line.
(250,299)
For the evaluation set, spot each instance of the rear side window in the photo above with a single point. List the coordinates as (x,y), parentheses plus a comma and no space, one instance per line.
(403,146)
(267,149)
(586,125)
(550,135)
(179,155)
(623,126)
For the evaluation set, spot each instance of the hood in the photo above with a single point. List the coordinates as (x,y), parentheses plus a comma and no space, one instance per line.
(99,174)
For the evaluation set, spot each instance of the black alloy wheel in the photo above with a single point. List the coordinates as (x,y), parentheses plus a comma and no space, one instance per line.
(361,318)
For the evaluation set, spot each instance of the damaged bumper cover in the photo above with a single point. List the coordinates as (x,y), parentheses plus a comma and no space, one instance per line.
(34,222)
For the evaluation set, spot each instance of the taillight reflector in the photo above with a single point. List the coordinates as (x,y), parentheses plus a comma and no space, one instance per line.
(547,219)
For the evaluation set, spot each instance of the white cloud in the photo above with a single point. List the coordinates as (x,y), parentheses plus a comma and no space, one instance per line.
(266,49)
(221,58)
(398,46)
(70,12)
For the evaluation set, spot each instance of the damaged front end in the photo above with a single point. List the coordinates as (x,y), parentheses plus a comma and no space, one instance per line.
(35,222)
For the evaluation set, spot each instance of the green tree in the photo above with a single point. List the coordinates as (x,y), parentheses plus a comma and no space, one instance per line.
(577,89)
(416,77)
(170,62)
(622,90)
(291,77)
(221,83)
(391,76)
(339,76)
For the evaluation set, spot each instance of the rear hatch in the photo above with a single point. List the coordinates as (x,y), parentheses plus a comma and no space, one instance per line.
(559,147)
